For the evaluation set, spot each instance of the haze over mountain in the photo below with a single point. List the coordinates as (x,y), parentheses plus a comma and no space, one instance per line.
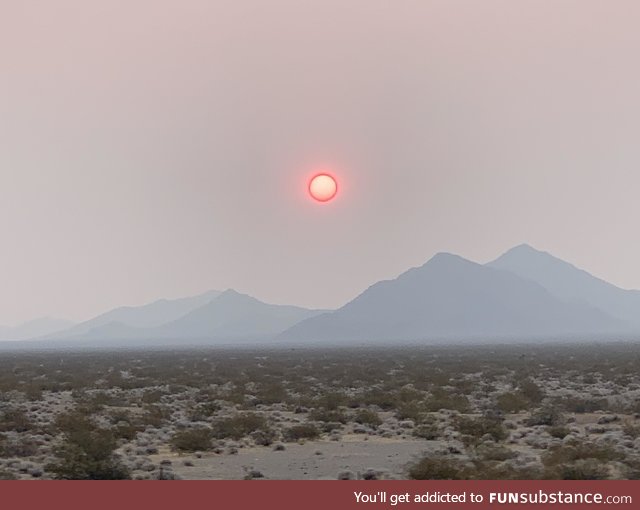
(525,294)
(568,282)
(34,328)
(453,298)
(146,316)
(227,316)
(235,315)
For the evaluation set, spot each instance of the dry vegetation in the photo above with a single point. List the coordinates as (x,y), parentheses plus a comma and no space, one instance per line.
(551,411)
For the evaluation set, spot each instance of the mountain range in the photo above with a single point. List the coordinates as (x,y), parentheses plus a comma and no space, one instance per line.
(451,298)
(34,328)
(525,294)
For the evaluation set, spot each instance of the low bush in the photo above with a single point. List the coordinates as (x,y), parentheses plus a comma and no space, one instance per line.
(450,401)
(87,452)
(429,432)
(192,440)
(328,416)
(631,429)
(474,429)
(558,431)
(439,468)
(580,450)
(548,415)
(512,402)
(15,420)
(580,469)
(302,431)
(367,417)
(239,426)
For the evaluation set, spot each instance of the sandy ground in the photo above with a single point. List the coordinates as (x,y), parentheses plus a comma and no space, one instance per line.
(311,460)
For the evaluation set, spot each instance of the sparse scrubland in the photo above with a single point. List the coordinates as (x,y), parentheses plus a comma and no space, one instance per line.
(457,412)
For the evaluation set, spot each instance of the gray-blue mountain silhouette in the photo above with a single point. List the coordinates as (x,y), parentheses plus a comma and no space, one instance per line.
(453,298)
(570,283)
(139,317)
(229,316)
(523,295)
(34,328)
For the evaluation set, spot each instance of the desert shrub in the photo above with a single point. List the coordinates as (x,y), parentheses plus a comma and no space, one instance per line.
(438,468)
(87,452)
(192,440)
(444,400)
(202,411)
(33,392)
(264,437)
(558,431)
(331,401)
(102,399)
(7,475)
(302,431)
(428,431)
(503,471)
(474,429)
(583,405)
(152,396)
(383,399)
(125,424)
(367,417)
(631,429)
(548,415)
(326,415)
(15,420)
(581,450)
(512,402)
(330,426)
(126,430)
(531,391)
(271,393)
(410,411)
(408,394)
(154,416)
(236,427)
(18,447)
(494,453)
(580,469)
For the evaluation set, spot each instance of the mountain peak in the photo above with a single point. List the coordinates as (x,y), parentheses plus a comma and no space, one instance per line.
(524,248)
(568,282)
(231,293)
(525,253)
(446,258)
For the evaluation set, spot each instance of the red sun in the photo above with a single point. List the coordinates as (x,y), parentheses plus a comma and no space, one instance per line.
(323,187)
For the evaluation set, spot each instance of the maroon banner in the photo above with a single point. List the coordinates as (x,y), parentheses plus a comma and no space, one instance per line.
(311,495)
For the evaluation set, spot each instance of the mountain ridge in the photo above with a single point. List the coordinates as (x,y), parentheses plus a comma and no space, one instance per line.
(452,297)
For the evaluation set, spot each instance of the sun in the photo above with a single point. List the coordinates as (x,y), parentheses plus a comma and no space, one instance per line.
(323,187)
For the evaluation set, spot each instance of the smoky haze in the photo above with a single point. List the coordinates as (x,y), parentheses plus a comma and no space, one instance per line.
(160,149)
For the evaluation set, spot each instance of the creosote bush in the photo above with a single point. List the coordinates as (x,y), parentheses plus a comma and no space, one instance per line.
(438,468)
(474,429)
(87,452)
(192,440)
(302,431)
(15,420)
(239,426)
(367,417)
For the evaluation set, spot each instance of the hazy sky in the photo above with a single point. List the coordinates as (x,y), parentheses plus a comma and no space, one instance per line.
(155,148)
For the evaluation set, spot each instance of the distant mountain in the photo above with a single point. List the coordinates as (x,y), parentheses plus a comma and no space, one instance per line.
(34,328)
(227,317)
(567,282)
(145,316)
(453,298)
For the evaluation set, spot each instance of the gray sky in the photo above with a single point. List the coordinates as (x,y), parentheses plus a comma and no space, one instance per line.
(156,148)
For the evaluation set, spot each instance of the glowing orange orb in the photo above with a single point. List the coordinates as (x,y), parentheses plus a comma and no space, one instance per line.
(323,187)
